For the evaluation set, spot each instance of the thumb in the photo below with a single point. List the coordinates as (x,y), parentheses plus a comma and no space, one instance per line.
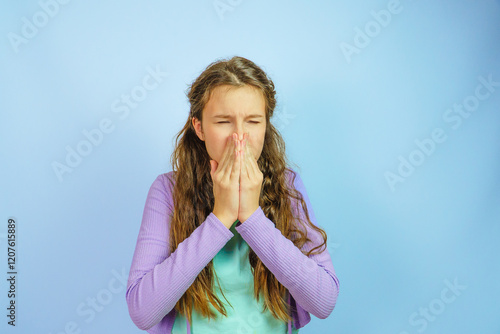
(213,167)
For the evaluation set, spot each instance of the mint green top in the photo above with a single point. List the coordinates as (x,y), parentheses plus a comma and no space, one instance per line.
(235,277)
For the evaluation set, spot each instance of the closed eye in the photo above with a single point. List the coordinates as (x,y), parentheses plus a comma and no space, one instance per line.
(250,122)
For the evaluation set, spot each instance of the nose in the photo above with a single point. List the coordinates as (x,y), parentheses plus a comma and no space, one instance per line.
(241,135)
(240,132)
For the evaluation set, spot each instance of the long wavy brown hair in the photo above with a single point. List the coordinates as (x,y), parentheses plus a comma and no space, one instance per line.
(192,184)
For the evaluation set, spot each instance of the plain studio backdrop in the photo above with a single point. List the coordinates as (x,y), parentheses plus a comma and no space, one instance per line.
(390,108)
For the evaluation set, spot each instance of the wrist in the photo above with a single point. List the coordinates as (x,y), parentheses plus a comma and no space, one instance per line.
(224,220)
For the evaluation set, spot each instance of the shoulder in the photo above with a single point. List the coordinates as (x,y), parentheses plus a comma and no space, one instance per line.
(165,180)
(294,182)
(290,174)
(168,176)
(162,189)
(293,178)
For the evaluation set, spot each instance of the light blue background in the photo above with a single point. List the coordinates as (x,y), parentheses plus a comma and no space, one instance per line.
(345,124)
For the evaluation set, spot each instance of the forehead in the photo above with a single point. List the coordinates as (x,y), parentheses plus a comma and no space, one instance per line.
(235,100)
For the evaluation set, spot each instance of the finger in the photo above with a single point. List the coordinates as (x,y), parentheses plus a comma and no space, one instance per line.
(235,168)
(244,163)
(228,159)
(223,159)
(250,161)
(250,148)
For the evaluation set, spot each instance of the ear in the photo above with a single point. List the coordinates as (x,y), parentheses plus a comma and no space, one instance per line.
(197,127)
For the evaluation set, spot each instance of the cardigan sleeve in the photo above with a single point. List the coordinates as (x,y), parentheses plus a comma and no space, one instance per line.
(158,279)
(310,280)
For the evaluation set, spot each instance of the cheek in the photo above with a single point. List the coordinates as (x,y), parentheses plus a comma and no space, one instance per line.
(214,144)
(260,148)
(256,147)
(218,148)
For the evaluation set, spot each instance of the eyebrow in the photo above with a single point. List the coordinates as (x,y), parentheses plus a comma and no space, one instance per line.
(229,116)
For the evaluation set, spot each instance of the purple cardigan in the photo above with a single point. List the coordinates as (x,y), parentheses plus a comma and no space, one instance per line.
(158,279)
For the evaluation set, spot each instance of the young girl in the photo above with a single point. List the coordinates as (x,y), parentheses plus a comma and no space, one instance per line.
(230,211)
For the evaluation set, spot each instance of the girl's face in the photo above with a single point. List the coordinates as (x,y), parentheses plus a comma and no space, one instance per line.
(232,110)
